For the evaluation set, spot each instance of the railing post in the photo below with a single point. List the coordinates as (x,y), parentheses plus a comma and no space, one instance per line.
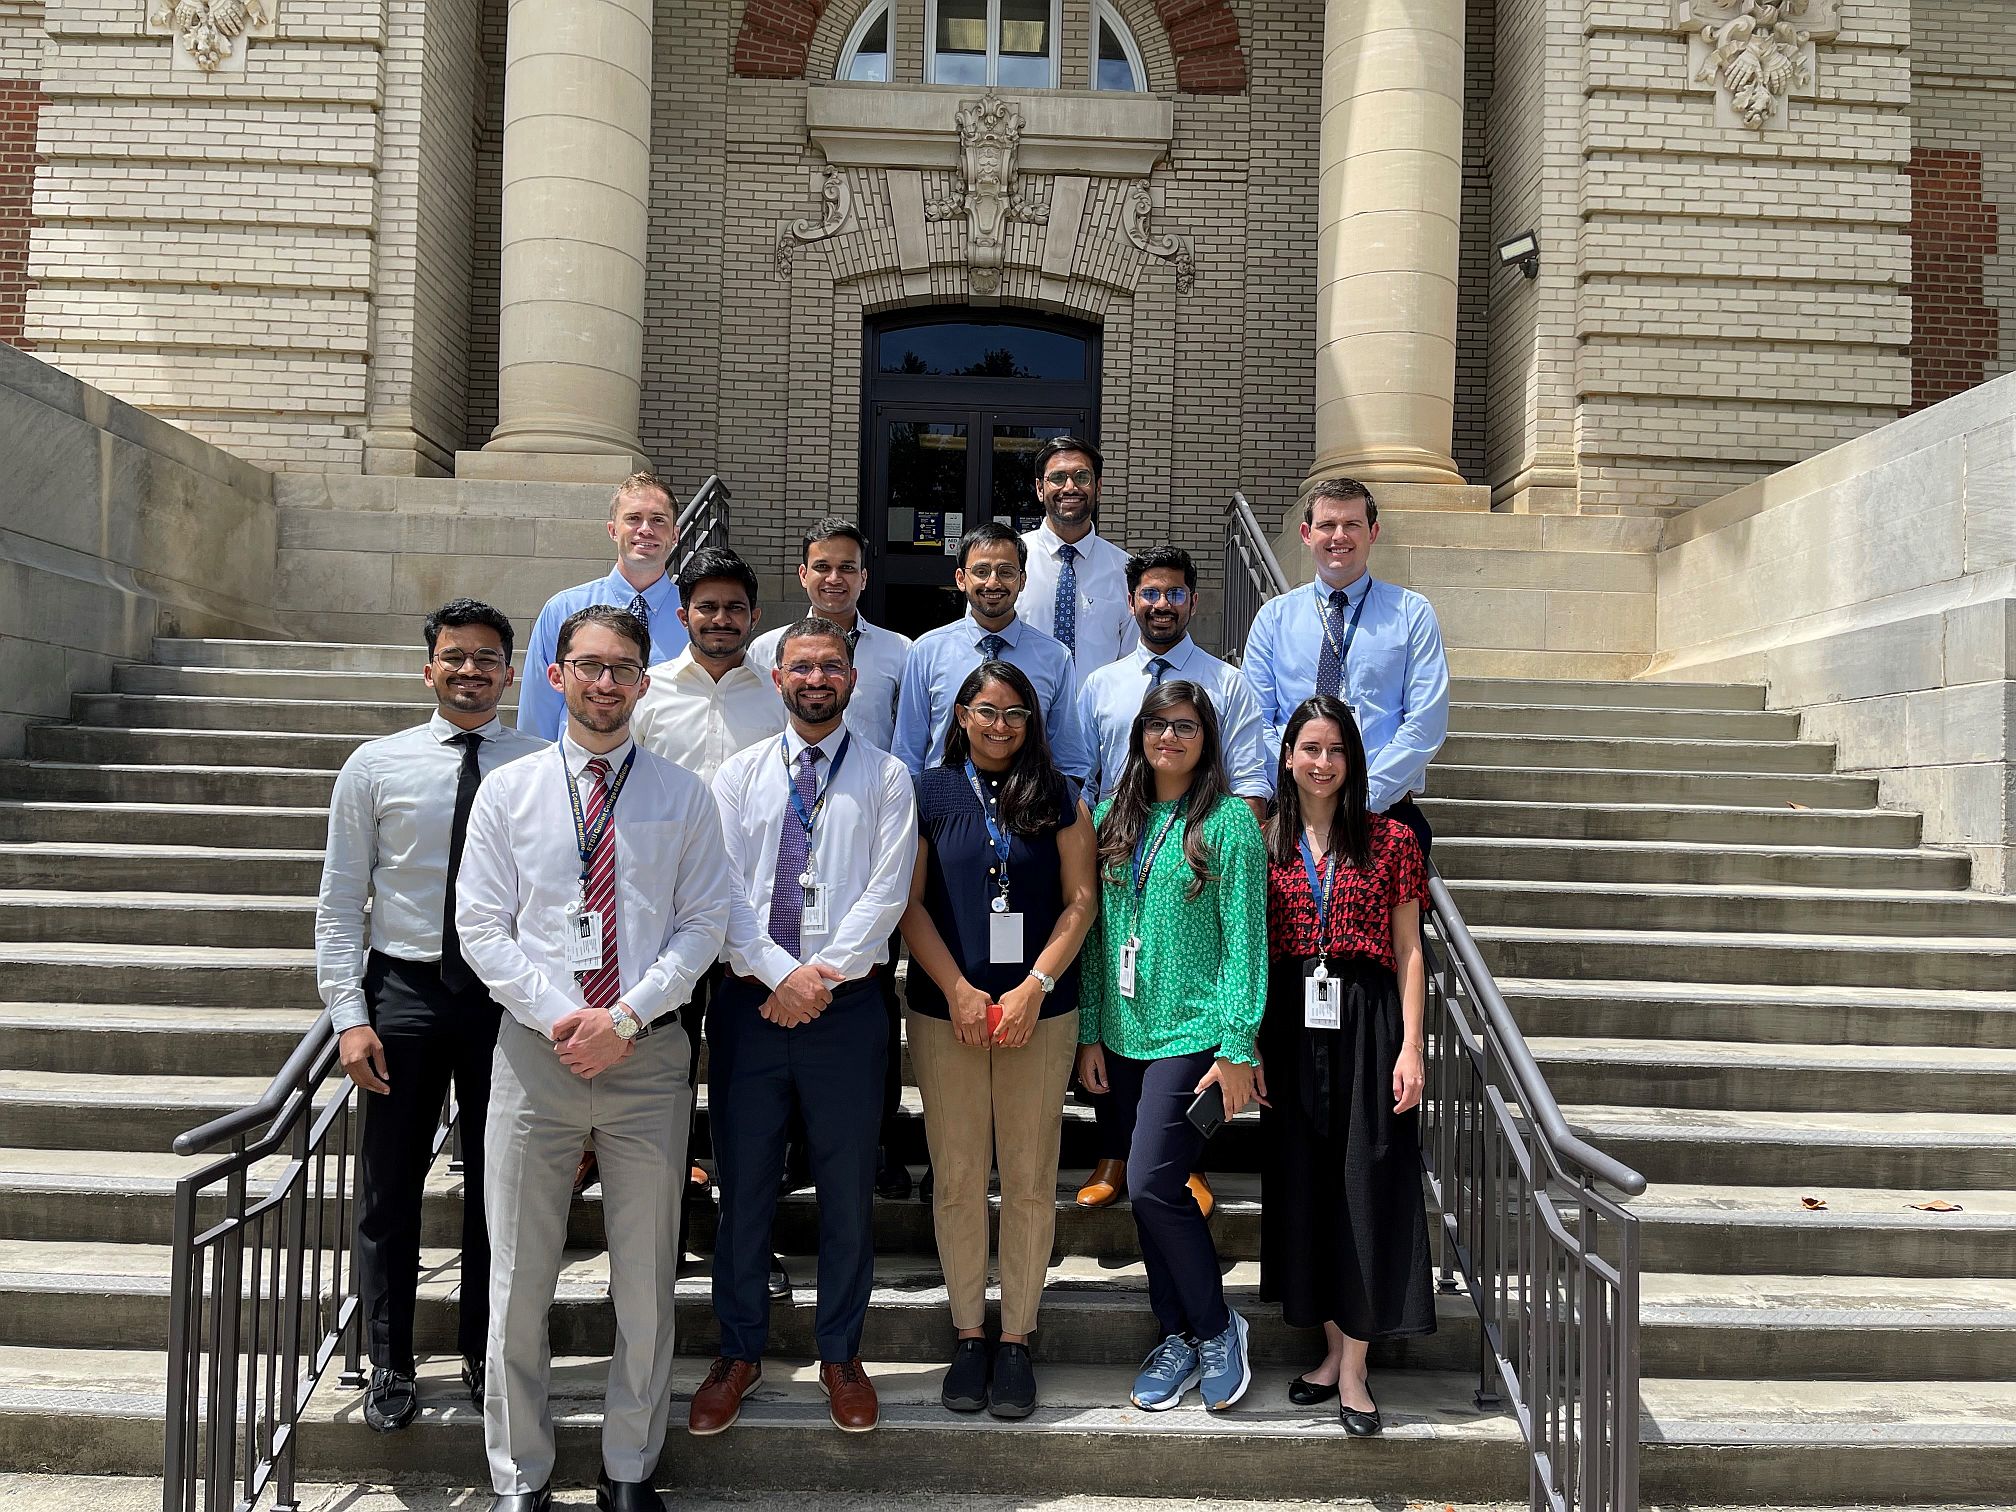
(178,1479)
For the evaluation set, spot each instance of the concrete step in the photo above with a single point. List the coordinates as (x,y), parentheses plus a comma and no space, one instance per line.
(1545,859)
(1639,694)
(179,975)
(159,868)
(1449,778)
(1684,822)
(1751,908)
(141,711)
(148,1039)
(1490,717)
(1597,752)
(202,748)
(152,918)
(321,656)
(1926,963)
(404,686)
(84,782)
(1863,1231)
(203,824)
(1764,1014)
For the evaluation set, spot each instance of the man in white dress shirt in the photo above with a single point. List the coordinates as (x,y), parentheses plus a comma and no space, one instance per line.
(821,829)
(594,892)
(1076,589)
(410,1016)
(710,700)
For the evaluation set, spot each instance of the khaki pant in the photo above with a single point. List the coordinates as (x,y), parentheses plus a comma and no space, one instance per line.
(983,1106)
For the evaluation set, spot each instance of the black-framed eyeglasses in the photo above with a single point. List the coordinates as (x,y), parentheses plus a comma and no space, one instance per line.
(588,670)
(1182,729)
(484,661)
(986,715)
(1175,598)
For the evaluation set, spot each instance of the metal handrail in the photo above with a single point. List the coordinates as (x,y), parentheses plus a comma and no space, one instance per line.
(1252,574)
(703,522)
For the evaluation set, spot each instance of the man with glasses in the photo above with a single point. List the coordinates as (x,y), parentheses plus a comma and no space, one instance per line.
(992,559)
(1076,589)
(595,892)
(644,525)
(821,829)
(410,1017)
(1375,645)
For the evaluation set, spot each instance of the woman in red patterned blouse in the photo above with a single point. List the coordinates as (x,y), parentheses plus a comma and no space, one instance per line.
(1344,1233)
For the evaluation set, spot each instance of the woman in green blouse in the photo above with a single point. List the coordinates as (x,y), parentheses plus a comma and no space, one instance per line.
(1173,989)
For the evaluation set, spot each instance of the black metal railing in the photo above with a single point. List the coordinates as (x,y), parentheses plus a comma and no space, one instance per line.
(703,522)
(1252,574)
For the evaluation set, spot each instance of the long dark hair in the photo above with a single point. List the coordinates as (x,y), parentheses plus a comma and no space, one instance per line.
(1351,825)
(1121,830)
(1034,799)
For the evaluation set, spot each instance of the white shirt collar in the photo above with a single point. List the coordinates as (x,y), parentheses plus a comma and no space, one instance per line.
(685,668)
(444,730)
(1054,543)
(577,758)
(795,744)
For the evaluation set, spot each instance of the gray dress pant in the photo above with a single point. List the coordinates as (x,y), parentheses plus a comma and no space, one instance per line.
(636,1114)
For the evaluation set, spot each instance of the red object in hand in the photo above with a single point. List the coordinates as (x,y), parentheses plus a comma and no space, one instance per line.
(993,1020)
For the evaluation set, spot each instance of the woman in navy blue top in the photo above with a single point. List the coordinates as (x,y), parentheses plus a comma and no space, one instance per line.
(1003,894)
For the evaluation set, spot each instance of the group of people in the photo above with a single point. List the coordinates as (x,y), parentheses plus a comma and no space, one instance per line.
(1110,855)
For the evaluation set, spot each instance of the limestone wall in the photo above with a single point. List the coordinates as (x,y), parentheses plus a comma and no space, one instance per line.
(1874,588)
(114,526)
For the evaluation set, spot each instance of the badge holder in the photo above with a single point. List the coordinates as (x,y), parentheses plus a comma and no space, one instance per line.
(813,918)
(584,940)
(1322,997)
(1128,953)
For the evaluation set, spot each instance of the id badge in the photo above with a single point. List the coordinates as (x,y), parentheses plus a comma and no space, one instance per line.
(1004,939)
(1322,998)
(1128,952)
(813,919)
(584,940)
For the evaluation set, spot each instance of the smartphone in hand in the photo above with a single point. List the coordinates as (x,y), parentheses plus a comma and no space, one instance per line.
(1207,1111)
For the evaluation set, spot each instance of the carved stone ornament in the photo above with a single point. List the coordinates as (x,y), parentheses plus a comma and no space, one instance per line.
(208,31)
(1174,250)
(836,213)
(990,130)
(1756,53)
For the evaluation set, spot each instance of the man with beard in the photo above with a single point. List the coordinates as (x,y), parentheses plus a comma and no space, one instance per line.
(594,893)
(1076,589)
(708,702)
(410,1016)
(644,525)
(821,829)
(992,559)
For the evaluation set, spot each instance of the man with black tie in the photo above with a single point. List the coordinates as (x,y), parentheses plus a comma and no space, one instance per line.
(821,829)
(410,1016)
(594,893)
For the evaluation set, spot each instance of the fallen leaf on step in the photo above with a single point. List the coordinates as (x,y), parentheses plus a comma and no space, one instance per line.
(1937,1205)
(1798,806)
(1813,1204)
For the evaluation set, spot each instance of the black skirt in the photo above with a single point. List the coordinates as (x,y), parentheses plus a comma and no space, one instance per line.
(1343,1226)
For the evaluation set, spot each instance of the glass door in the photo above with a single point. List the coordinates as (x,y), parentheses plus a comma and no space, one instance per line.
(923,488)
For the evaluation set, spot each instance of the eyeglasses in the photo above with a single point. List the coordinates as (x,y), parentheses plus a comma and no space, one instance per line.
(1175,598)
(803,670)
(987,572)
(987,716)
(1081,476)
(485,661)
(1182,729)
(587,670)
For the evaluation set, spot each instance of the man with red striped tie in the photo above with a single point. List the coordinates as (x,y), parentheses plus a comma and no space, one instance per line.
(594,892)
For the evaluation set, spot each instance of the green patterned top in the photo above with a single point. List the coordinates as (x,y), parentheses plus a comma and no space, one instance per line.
(1200,982)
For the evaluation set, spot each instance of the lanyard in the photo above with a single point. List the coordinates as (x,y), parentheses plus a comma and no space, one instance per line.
(1350,630)
(586,839)
(1319,892)
(998,837)
(806,816)
(1145,863)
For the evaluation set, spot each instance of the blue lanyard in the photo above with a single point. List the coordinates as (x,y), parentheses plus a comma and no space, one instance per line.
(998,837)
(807,816)
(1319,892)
(585,838)
(1144,865)
(1350,630)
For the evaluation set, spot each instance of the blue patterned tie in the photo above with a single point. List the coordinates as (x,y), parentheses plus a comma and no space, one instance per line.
(1330,665)
(1064,617)
(641,609)
(787,893)
(992,647)
(1157,670)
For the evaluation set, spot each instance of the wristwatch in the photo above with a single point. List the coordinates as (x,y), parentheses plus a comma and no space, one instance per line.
(628,1025)
(1044,980)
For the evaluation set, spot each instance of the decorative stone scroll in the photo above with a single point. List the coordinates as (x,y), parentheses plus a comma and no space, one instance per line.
(1174,250)
(990,131)
(1755,53)
(207,32)
(836,214)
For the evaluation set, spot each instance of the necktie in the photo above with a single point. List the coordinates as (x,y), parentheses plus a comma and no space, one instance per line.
(1064,616)
(1157,670)
(853,639)
(455,973)
(794,849)
(641,609)
(992,646)
(602,987)
(1330,665)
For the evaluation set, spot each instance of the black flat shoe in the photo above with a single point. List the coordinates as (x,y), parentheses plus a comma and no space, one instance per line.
(780,1281)
(391,1401)
(1013,1390)
(966,1381)
(626,1496)
(525,1501)
(1360,1424)
(1306,1393)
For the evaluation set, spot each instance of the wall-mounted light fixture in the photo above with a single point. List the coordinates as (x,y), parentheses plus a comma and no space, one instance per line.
(1521,251)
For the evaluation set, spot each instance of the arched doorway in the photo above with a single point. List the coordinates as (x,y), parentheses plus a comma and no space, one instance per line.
(954,404)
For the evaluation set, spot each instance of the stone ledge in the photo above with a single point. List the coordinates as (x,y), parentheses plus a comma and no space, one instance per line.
(1064,131)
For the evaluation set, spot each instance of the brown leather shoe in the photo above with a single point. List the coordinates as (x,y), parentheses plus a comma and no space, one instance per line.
(588,1172)
(850,1396)
(1105,1185)
(1201,1190)
(718,1402)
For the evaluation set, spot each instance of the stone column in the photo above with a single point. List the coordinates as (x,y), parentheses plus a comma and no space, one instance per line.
(577,179)
(1386,247)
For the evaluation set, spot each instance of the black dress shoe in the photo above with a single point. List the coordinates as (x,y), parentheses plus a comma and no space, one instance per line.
(1306,1393)
(1360,1424)
(626,1496)
(525,1501)
(472,1378)
(391,1401)
(892,1177)
(780,1280)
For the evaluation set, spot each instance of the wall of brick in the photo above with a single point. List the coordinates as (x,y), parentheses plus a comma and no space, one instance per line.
(20,103)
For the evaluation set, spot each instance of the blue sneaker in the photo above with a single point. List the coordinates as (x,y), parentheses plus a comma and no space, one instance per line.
(1171,1369)
(1227,1373)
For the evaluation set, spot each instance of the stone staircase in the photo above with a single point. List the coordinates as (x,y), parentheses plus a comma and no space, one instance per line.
(1739,974)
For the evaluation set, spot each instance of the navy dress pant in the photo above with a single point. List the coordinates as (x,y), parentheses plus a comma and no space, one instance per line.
(832,1069)
(1185,1288)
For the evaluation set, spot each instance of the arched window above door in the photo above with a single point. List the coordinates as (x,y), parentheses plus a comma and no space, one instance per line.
(864,57)
(1116,60)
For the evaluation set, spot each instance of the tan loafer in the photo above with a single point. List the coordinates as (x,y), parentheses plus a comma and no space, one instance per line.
(1201,1190)
(1105,1185)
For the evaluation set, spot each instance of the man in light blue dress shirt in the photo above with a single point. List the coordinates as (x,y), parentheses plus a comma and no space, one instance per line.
(1375,645)
(1162,592)
(644,524)
(992,560)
